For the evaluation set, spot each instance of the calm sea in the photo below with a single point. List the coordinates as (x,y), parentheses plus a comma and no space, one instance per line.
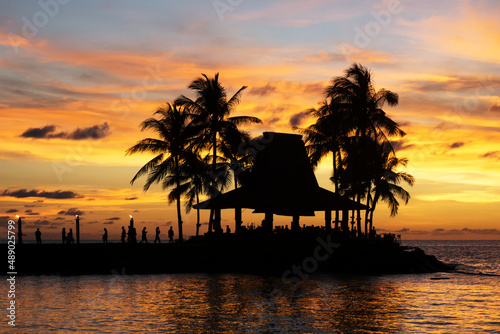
(464,302)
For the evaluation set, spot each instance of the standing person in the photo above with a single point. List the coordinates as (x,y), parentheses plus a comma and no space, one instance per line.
(171,235)
(38,236)
(105,236)
(69,237)
(124,234)
(63,235)
(157,235)
(144,238)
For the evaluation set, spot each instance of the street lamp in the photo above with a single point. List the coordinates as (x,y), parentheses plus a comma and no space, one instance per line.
(19,230)
(77,229)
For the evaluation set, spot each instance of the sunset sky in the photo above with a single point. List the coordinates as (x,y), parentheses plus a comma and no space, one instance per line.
(78,77)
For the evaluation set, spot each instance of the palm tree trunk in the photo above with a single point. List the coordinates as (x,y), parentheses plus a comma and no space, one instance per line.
(375,200)
(367,210)
(237,211)
(197,214)
(178,199)
(358,216)
(336,184)
(211,224)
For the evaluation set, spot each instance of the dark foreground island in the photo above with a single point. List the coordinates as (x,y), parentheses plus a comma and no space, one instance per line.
(290,258)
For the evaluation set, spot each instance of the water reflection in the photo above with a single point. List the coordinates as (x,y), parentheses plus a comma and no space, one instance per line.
(239,304)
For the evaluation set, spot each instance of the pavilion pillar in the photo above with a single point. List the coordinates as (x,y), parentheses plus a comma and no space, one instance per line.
(345,220)
(296,223)
(328,220)
(237,219)
(217,221)
(337,219)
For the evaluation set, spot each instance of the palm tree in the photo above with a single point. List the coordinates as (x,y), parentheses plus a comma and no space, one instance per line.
(357,162)
(324,137)
(210,115)
(386,180)
(198,180)
(238,159)
(174,135)
(195,173)
(356,98)
(354,93)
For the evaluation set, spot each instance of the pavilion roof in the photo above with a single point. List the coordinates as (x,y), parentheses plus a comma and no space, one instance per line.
(282,182)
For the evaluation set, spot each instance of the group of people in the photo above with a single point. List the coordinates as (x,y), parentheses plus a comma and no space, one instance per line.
(67,238)
(132,235)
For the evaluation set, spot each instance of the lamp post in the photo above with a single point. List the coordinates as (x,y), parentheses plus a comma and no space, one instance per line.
(19,230)
(77,229)
(131,231)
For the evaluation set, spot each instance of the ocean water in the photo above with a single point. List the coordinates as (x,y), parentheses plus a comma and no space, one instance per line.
(466,301)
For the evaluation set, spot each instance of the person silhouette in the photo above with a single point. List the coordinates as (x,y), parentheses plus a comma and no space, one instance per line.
(69,237)
(38,236)
(124,235)
(63,235)
(157,235)
(228,230)
(144,238)
(105,236)
(171,235)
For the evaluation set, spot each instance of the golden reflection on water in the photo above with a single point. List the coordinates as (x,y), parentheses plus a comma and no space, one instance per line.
(199,303)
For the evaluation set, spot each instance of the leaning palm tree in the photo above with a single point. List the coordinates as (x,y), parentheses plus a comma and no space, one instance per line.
(231,146)
(210,111)
(197,180)
(195,176)
(324,137)
(170,149)
(386,180)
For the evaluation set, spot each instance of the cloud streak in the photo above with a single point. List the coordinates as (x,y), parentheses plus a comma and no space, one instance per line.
(297,119)
(95,132)
(71,212)
(58,194)
(491,155)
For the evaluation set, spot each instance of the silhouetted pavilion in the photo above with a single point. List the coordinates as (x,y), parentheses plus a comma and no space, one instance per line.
(282,182)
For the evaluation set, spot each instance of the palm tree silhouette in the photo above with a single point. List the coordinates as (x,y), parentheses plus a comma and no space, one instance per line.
(326,136)
(355,94)
(350,124)
(386,179)
(210,115)
(196,177)
(357,162)
(175,136)
(238,160)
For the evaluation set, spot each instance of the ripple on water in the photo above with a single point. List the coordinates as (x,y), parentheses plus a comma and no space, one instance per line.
(240,303)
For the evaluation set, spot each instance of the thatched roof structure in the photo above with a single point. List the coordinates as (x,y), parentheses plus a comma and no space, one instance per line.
(282,182)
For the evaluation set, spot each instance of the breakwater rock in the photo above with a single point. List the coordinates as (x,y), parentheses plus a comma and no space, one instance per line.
(289,257)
